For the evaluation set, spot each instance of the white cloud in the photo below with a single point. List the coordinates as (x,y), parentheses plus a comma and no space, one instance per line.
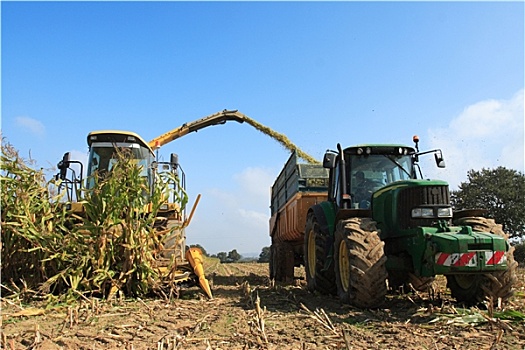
(32,125)
(235,219)
(486,134)
(251,179)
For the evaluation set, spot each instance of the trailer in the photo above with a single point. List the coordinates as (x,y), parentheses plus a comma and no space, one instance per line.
(298,187)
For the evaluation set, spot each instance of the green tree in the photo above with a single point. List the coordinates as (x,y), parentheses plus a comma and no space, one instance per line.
(264,257)
(519,253)
(223,257)
(203,251)
(501,191)
(233,256)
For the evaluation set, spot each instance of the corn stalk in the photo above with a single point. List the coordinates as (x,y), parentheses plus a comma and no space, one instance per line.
(31,222)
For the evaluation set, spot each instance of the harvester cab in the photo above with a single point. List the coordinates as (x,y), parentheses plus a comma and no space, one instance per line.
(381,215)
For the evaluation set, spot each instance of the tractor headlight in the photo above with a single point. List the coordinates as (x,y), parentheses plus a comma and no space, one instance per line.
(422,213)
(444,212)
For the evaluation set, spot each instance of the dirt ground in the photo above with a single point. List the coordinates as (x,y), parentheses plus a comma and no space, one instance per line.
(247,312)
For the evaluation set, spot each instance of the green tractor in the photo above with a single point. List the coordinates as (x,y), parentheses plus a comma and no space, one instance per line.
(383,222)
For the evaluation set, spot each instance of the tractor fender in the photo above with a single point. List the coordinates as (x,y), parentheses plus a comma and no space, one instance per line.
(320,215)
(325,214)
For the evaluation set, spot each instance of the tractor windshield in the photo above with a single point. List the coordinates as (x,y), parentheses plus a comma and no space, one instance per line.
(368,173)
(103,156)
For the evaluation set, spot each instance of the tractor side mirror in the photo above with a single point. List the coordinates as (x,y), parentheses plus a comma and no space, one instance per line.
(329,160)
(63,165)
(440,161)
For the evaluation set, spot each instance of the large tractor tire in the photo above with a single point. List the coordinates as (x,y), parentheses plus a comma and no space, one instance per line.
(315,251)
(475,288)
(360,263)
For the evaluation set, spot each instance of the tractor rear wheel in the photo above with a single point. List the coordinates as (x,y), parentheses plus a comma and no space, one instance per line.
(315,252)
(475,288)
(360,263)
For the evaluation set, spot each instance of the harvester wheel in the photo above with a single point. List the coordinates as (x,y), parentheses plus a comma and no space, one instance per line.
(475,288)
(315,252)
(360,263)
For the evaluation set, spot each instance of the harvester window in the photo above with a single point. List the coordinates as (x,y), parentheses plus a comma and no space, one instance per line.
(103,156)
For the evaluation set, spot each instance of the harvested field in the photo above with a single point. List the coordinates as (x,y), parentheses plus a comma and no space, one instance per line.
(250,313)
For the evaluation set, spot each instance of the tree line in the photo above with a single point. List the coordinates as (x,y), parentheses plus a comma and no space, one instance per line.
(234,256)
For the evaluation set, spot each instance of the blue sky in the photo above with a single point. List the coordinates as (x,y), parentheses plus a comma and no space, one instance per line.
(319,72)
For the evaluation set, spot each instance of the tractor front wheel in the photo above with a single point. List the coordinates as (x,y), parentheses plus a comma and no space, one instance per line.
(475,288)
(467,288)
(360,263)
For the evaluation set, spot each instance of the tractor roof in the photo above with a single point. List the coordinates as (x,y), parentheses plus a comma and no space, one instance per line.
(380,149)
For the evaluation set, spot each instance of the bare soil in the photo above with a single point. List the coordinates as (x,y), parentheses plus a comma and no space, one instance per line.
(247,312)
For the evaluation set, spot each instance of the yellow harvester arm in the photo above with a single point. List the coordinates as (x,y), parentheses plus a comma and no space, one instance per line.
(214,119)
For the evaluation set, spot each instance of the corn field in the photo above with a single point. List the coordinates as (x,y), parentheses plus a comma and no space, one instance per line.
(49,252)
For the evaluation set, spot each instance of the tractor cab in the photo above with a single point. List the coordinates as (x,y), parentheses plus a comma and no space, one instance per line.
(364,169)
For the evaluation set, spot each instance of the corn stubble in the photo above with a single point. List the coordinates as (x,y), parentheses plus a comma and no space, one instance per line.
(112,248)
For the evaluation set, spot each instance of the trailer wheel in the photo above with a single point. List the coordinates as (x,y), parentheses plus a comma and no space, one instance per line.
(360,263)
(315,252)
(271,264)
(282,262)
(475,288)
